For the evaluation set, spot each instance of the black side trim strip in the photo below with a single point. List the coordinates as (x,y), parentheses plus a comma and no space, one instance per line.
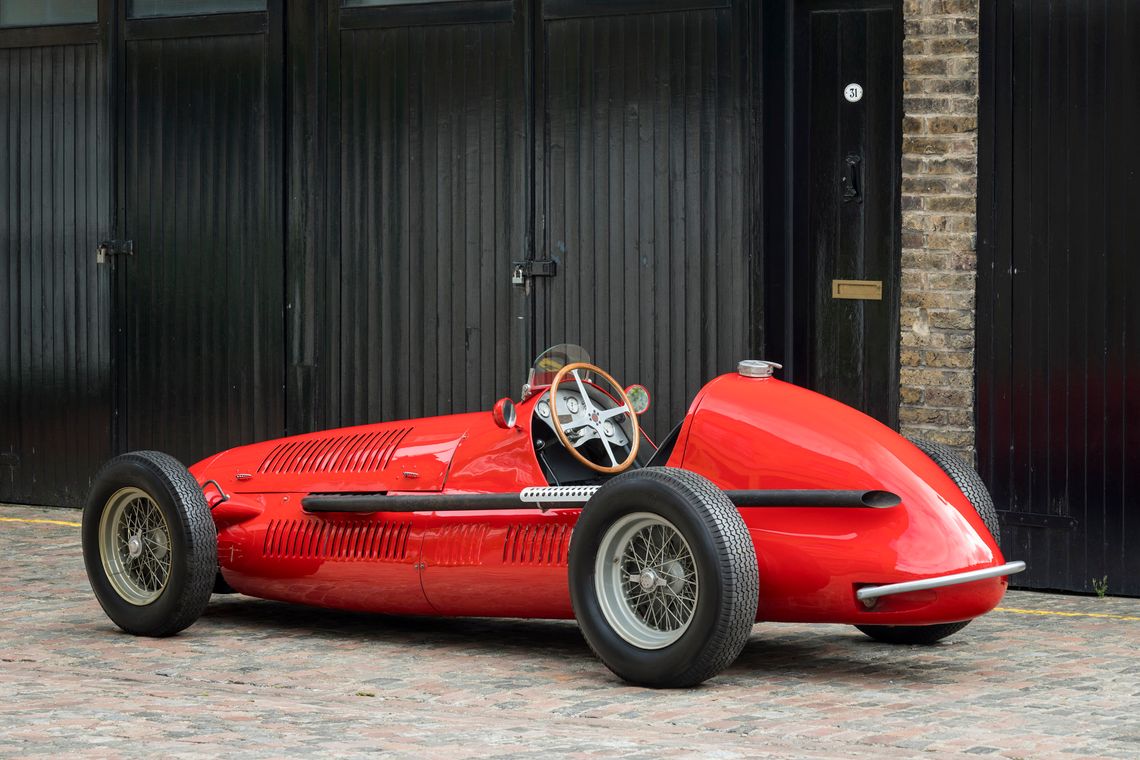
(441,502)
(798,498)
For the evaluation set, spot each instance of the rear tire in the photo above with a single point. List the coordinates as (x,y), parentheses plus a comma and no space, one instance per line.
(970,483)
(149,544)
(663,577)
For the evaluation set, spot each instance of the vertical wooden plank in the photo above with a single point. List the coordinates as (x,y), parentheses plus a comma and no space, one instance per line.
(1113,32)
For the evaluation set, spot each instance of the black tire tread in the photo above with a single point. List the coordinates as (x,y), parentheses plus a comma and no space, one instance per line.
(966,478)
(737,557)
(200,556)
(970,483)
(922,635)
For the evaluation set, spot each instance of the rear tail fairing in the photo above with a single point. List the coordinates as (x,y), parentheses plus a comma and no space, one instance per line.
(761,433)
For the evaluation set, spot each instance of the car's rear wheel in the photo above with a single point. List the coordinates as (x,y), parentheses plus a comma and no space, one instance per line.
(149,544)
(663,577)
(970,483)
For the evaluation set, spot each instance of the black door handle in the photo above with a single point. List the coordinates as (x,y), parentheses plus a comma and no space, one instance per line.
(851,178)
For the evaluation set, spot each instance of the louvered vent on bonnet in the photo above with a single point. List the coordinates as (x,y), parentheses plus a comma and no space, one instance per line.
(357,452)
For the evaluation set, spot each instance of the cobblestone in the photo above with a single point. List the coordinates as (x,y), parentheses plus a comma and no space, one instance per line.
(263,679)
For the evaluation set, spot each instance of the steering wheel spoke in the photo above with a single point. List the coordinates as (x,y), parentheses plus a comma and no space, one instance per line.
(611,413)
(582,389)
(609,450)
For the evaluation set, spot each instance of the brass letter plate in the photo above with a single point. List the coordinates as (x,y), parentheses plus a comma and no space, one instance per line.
(860,290)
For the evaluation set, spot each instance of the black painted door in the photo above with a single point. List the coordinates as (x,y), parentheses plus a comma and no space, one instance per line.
(1058,379)
(199,303)
(845,249)
(409,310)
(55,356)
(645,196)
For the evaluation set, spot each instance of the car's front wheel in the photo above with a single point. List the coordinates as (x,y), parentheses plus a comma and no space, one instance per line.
(149,544)
(663,577)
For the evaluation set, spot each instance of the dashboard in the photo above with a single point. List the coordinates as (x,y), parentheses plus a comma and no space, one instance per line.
(572,415)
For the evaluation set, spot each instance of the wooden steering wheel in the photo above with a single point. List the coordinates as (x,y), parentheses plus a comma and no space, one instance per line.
(595,418)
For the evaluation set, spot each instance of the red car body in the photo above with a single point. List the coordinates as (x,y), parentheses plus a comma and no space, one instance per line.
(740,433)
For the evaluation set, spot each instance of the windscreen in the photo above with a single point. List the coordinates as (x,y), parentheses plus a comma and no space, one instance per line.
(551,360)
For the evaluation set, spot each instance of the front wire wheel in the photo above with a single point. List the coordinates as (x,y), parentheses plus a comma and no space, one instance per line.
(149,544)
(646,580)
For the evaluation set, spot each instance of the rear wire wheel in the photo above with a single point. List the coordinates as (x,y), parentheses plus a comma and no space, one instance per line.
(971,485)
(646,580)
(663,577)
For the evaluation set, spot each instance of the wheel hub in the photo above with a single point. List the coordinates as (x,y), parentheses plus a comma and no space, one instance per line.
(648,579)
(134,546)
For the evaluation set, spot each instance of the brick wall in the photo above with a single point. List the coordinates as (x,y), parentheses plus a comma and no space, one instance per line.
(939,188)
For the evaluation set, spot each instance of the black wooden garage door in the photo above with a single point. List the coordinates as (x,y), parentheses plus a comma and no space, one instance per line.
(464,137)
(55,333)
(412,311)
(1058,311)
(326,204)
(199,303)
(644,193)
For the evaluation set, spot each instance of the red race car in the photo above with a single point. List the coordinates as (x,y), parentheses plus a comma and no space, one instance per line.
(767,502)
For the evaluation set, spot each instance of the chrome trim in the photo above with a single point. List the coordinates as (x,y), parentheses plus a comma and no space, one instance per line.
(757,368)
(874,592)
(557,494)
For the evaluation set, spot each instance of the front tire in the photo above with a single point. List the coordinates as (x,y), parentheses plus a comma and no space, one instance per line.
(663,577)
(970,483)
(149,544)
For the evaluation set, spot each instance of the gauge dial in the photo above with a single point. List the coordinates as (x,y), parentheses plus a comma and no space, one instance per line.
(544,410)
(572,404)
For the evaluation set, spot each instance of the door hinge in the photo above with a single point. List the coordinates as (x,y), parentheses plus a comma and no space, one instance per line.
(521,270)
(113,248)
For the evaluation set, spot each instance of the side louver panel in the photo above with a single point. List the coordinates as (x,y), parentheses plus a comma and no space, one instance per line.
(537,545)
(458,546)
(361,452)
(361,540)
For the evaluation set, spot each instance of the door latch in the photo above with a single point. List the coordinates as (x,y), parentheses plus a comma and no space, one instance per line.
(851,180)
(113,248)
(521,270)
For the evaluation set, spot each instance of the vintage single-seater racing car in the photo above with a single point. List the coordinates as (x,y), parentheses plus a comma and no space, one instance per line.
(767,502)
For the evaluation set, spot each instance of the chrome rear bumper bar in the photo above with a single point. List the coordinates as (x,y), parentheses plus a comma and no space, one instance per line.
(874,592)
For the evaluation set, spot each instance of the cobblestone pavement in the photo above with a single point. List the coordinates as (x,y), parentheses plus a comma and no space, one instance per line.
(1045,675)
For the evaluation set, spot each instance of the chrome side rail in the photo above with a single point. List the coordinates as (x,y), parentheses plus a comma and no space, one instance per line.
(868,593)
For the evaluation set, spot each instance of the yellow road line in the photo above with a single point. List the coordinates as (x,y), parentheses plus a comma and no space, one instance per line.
(44,522)
(1055,613)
